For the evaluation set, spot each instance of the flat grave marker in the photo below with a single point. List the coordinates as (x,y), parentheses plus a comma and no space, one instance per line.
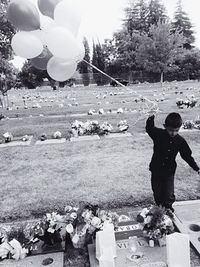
(51,141)
(187,220)
(85,138)
(118,135)
(36,261)
(17,143)
(150,257)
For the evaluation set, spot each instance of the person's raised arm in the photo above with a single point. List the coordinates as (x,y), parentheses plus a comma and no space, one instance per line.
(150,127)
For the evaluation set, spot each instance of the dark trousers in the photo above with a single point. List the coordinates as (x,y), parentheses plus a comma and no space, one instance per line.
(163,189)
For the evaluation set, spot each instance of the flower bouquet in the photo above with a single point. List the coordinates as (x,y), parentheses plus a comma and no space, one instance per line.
(90,220)
(53,227)
(8,137)
(156,222)
(80,128)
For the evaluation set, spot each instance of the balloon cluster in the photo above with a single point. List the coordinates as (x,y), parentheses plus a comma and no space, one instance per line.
(47,35)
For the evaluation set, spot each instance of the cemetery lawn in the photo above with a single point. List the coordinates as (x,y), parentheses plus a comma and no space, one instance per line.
(110,172)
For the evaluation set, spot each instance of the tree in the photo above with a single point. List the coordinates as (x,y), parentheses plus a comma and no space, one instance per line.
(136,17)
(31,77)
(181,22)
(189,63)
(98,60)
(156,14)
(6,31)
(158,51)
(83,67)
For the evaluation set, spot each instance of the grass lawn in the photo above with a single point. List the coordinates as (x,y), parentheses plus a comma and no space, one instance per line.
(109,172)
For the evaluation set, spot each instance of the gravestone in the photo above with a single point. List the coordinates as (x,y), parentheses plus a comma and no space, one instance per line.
(85,138)
(147,256)
(187,220)
(17,143)
(118,135)
(36,261)
(178,250)
(51,141)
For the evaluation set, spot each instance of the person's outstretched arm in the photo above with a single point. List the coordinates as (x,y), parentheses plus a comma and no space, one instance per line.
(150,127)
(186,154)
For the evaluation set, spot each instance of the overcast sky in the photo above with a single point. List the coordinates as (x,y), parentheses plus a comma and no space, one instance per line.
(100,18)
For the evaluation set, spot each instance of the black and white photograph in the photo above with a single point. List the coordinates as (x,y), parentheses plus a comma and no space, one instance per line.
(100,133)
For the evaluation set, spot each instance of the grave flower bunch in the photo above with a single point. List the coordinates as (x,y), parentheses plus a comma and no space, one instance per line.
(186,103)
(90,220)
(156,222)
(13,243)
(89,127)
(8,137)
(190,124)
(123,126)
(53,226)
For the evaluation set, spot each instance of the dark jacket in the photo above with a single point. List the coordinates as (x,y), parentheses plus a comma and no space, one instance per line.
(166,149)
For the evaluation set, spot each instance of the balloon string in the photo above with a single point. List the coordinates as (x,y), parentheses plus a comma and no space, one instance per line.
(155,105)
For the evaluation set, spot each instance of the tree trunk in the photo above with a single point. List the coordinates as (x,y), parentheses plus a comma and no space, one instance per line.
(161,78)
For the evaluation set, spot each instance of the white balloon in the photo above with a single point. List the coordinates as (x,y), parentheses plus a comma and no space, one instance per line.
(47,23)
(67,14)
(26,45)
(61,69)
(62,43)
(41,35)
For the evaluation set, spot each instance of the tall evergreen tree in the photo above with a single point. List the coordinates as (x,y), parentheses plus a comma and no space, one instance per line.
(157,13)
(98,60)
(181,23)
(136,17)
(83,67)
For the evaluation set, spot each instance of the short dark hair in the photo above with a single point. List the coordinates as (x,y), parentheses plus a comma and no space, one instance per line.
(173,120)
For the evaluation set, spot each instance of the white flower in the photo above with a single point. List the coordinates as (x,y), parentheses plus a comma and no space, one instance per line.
(148,219)
(87,215)
(70,228)
(75,239)
(25,138)
(167,221)
(58,218)
(95,222)
(73,215)
(57,135)
(68,208)
(48,215)
(51,230)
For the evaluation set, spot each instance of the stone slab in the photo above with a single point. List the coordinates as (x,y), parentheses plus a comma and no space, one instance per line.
(118,135)
(85,138)
(17,143)
(188,130)
(51,141)
(187,220)
(151,257)
(36,261)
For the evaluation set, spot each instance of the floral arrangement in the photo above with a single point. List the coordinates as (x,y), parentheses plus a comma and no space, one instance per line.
(8,137)
(89,219)
(190,124)
(80,128)
(57,135)
(186,103)
(25,138)
(123,126)
(156,222)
